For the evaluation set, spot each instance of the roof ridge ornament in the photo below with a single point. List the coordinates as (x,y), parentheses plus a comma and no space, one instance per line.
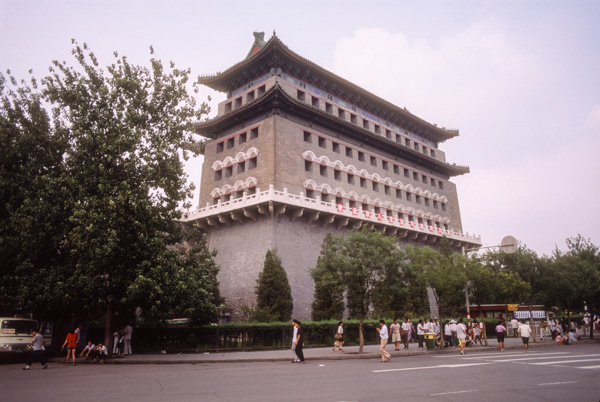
(259,43)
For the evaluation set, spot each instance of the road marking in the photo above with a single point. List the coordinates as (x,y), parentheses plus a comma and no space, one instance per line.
(479,354)
(558,383)
(589,367)
(566,361)
(454,392)
(536,356)
(431,367)
(529,358)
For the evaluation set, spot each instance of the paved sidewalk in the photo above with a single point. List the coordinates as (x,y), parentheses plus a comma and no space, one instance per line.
(317,354)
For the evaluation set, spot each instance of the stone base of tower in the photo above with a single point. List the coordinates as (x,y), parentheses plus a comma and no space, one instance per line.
(241,255)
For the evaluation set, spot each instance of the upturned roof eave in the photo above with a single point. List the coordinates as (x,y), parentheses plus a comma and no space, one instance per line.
(210,127)
(220,81)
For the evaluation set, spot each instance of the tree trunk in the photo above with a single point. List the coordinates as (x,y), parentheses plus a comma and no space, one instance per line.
(532,325)
(107,326)
(360,334)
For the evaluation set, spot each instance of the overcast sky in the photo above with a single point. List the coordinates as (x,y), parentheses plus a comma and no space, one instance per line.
(519,79)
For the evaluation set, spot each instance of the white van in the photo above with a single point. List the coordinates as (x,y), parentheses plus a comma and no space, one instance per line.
(16,333)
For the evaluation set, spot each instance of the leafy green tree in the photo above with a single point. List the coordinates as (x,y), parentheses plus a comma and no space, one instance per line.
(444,274)
(109,177)
(519,276)
(366,261)
(34,199)
(482,280)
(416,302)
(181,284)
(391,297)
(273,290)
(574,275)
(328,302)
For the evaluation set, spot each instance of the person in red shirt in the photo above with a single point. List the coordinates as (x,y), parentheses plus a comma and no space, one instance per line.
(71,344)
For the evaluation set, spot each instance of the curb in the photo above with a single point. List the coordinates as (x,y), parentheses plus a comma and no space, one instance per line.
(345,356)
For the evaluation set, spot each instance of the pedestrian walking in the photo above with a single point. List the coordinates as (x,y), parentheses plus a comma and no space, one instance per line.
(395,330)
(461,334)
(383,335)
(477,333)
(294,338)
(38,352)
(299,342)
(339,337)
(526,332)
(71,344)
(500,333)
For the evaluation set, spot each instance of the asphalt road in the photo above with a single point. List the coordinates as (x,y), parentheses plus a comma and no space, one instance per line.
(546,374)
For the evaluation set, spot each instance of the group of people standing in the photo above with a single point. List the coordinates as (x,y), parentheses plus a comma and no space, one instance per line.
(122,340)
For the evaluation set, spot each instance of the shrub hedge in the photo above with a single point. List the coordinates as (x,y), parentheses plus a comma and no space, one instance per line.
(247,336)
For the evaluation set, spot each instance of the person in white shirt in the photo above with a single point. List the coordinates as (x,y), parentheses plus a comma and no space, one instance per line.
(339,337)
(572,337)
(526,332)
(78,333)
(427,326)
(447,334)
(128,332)
(395,330)
(37,351)
(454,340)
(476,333)
(515,326)
(294,336)
(100,352)
(435,328)
(383,335)
(87,350)
(461,334)
(586,324)
(420,333)
(405,331)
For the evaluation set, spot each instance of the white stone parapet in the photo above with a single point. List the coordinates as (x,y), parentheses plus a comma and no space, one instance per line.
(316,204)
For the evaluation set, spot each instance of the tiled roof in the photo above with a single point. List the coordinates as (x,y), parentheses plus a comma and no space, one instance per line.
(212,127)
(221,81)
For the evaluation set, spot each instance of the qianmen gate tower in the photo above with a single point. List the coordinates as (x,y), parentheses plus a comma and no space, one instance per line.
(296,152)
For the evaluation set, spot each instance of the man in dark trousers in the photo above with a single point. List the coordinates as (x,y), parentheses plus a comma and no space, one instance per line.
(37,352)
(299,341)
